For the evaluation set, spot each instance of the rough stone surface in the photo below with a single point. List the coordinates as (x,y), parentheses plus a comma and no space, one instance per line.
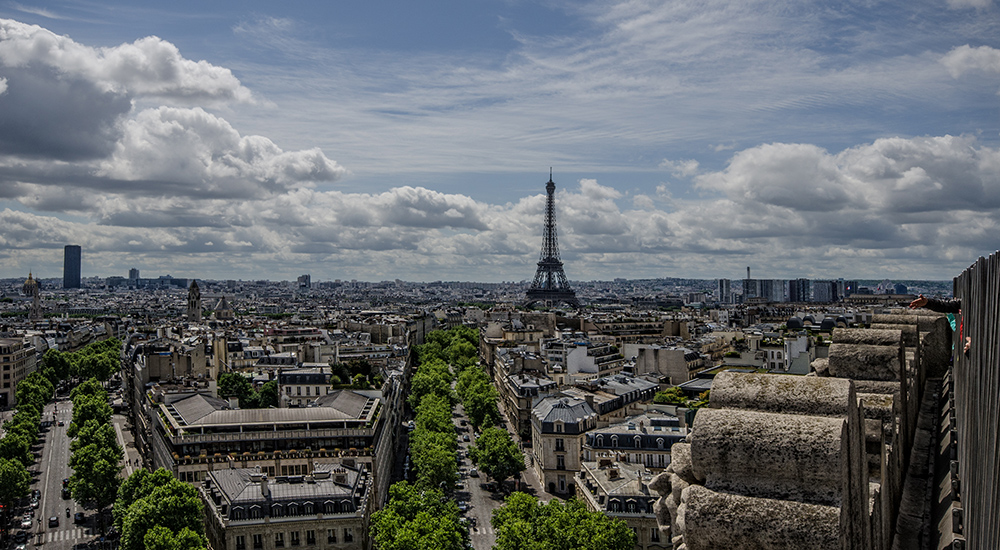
(867,336)
(865,362)
(770,455)
(821,367)
(680,462)
(878,406)
(877,386)
(661,483)
(910,334)
(715,521)
(781,393)
(677,485)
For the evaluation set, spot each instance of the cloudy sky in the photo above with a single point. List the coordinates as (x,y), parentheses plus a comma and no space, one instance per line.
(412,140)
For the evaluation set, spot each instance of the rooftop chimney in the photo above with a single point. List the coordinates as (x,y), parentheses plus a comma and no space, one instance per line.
(265,491)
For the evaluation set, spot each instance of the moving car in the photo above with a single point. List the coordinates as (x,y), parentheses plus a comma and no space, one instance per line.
(54,521)
(79,517)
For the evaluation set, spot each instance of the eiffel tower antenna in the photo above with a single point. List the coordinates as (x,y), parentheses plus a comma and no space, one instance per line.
(550,284)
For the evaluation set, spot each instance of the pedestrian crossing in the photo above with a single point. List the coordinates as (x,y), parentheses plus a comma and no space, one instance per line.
(67,534)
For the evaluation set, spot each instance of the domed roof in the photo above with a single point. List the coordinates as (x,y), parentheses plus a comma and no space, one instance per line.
(828,323)
(842,321)
(809,320)
(794,322)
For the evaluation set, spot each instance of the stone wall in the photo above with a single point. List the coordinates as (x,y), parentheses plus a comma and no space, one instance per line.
(816,461)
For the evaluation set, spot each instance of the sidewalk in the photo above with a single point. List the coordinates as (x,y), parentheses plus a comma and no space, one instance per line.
(132,460)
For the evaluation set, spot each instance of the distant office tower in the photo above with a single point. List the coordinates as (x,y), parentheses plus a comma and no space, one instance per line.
(133,274)
(798,290)
(772,290)
(825,291)
(71,266)
(725,291)
(305,281)
(850,287)
(751,288)
(899,288)
(194,303)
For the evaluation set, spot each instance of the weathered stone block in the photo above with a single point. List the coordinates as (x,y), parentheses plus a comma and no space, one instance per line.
(781,393)
(715,521)
(910,333)
(867,336)
(821,367)
(865,362)
(680,462)
(770,455)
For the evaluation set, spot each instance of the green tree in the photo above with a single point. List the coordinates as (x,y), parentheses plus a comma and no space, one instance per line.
(434,414)
(14,482)
(160,538)
(417,520)
(88,407)
(671,396)
(94,433)
(96,478)
(522,523)
(15,446)
(267,395)
(232,384)
(92,387)
(481,405)
(173,505)
(432,377)
(138,485)
(58,362)
(496,454)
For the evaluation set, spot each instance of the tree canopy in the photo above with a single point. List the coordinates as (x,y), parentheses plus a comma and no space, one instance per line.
(496,454)
(158,500)
(417,519)
(523,523)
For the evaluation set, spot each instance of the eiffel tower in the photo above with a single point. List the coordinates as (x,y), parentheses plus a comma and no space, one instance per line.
(550,284)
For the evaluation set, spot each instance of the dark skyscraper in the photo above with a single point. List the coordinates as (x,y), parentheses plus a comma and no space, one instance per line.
(71,266)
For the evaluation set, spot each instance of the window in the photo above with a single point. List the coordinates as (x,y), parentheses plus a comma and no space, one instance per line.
(654,535)
(317,390)
(308,509)
(331,535)
(258,541)
(348,534)
(310,537)
(659,442)
(307,390)
(614,441)
(288,390)
(298,390)
(279,540)
(241,542)
(559,427)
(560,446)
(294,538)
(638,442)
(293,509)
(560,462)
(562,484)
(600,441)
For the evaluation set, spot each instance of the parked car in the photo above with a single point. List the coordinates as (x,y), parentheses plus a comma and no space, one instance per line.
(465,438)
(474,472)
(65,493)
(26,523)
(21,536)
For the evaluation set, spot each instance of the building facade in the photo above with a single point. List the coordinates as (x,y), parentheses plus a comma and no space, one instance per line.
(72,262)
(325,510)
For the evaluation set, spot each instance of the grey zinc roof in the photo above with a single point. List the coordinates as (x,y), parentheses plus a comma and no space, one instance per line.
(562,409)
(238,487)
(195,407)
(203,410)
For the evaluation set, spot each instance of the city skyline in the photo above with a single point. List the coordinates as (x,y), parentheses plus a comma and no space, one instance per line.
(259,141)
